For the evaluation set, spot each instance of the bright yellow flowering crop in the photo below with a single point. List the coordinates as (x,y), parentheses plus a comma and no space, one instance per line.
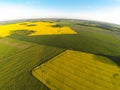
(74,70)
(40,28)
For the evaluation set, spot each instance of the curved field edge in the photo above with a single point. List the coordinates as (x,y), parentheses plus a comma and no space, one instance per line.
(15,69)
(75,70)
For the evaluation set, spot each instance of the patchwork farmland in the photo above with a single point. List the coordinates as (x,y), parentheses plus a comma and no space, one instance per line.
(59,54)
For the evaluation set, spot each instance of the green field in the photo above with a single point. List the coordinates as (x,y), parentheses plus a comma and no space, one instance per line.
(90,39)
(17,64)
(21,53)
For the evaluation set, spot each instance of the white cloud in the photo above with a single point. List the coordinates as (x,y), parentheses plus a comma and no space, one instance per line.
(108,15)
(8,12)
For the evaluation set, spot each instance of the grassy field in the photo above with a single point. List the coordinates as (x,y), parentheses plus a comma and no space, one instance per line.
(28,45)
(10,47)
(96,43)
(16,64)
(74,70)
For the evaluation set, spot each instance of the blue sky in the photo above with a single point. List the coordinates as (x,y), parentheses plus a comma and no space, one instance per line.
(100,10)
(65,5)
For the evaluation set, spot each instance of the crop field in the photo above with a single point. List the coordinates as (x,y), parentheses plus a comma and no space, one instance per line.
(10,47)
(90,38)
(38,28)
(17,63)
(74,70)
(59,54)
(96,43)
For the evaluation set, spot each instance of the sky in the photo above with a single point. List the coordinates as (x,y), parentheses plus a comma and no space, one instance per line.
(98,10)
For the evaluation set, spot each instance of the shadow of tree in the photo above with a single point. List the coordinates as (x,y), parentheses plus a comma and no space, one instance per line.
(115,59)
(22,32)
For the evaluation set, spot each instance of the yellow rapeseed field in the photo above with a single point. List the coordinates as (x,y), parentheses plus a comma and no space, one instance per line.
(41,28)
(75,70)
